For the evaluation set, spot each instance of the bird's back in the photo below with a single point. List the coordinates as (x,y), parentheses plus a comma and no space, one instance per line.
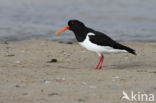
(104,40)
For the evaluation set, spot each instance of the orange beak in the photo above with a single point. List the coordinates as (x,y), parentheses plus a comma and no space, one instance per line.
(62,30)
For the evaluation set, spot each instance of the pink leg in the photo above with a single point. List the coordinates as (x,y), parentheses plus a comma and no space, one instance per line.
(99,62)
(100,65)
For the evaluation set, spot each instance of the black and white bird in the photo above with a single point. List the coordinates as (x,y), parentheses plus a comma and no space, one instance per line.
(94,40)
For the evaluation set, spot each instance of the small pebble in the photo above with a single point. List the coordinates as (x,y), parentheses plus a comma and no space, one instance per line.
(17,62)
(154,72)
(10,55)
(67,54)
(60,79)
(42,90)
(84,83)
(52,94)
(52,61)
(18,86)
(69,42)
(81,100)
(25,93)
(63,78)
(46,81)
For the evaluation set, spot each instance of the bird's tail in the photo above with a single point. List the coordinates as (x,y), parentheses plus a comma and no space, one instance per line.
(132,51)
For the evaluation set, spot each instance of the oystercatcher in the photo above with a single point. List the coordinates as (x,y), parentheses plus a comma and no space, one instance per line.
(94,40)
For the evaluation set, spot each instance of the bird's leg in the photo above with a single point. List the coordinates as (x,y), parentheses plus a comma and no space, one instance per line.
(97,66)
(100,65)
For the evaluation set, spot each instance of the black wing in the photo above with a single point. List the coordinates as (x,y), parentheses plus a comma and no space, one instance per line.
(103,40)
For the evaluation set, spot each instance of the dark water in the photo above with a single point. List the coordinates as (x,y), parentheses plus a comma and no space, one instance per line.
(123,20)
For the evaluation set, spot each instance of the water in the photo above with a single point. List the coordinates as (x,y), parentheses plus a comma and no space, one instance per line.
(123,20)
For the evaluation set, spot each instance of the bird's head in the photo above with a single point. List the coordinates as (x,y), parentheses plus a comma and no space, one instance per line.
(73,25)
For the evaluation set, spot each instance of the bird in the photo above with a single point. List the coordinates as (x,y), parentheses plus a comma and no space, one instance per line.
(94,40)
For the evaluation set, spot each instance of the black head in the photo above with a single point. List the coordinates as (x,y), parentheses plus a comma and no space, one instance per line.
(79,29)
(75,25)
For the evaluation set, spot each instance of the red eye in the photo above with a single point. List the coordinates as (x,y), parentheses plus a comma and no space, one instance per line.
(72,22)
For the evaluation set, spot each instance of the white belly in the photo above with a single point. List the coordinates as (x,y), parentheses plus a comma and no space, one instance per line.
(97,48)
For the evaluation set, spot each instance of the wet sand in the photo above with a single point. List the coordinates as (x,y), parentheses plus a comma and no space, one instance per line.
(27,74)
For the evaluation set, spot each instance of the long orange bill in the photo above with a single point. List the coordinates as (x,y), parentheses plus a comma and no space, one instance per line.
(62,30)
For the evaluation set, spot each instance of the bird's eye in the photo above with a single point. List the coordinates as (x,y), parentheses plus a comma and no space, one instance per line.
(72,22)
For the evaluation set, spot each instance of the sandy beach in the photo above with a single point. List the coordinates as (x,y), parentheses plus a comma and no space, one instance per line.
(53,72)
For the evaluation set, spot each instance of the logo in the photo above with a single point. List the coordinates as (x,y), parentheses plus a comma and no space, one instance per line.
(137,96)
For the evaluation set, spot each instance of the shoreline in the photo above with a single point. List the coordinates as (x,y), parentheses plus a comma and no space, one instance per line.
(74,41)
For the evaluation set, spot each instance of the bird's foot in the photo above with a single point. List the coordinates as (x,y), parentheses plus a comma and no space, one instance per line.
(96,68)
(100,68)
(100,65)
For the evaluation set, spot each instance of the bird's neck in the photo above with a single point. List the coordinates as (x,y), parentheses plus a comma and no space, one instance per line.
(81,34)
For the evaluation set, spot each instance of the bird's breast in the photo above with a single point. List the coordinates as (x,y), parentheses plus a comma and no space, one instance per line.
(90,46)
